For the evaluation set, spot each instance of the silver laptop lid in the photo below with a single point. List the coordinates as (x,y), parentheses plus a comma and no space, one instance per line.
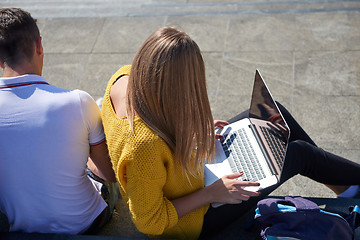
(264,108)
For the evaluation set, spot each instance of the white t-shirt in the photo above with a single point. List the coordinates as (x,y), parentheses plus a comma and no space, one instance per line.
(45,137)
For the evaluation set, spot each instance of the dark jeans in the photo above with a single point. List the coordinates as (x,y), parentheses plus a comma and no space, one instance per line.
(302,157)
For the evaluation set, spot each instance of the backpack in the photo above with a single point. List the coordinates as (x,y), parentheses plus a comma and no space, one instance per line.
(299,218)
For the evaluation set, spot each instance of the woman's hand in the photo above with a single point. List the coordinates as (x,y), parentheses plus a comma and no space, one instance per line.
(230,190)
(219,124)
(225,190)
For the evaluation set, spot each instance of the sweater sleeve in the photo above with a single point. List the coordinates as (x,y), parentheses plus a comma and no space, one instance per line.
(152,212)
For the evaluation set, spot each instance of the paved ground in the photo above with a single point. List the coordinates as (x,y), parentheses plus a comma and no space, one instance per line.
(307,51)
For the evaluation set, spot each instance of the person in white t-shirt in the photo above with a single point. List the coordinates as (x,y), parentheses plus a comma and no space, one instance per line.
(47,135)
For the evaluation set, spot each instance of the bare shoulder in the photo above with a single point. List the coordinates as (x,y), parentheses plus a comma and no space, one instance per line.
(118,95)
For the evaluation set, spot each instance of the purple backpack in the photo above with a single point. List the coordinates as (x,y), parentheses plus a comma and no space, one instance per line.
(299,218)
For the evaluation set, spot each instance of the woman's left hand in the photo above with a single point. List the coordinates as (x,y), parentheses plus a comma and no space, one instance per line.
(219,124)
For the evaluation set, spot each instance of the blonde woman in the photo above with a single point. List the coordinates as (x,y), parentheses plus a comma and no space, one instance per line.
(159,130)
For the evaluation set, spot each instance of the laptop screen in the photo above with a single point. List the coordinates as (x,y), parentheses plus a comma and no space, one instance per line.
(264,111)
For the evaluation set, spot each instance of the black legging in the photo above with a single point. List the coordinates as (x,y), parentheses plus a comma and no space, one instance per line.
(302,157)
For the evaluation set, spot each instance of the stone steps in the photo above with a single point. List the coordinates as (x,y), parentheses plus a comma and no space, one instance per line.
(111,8)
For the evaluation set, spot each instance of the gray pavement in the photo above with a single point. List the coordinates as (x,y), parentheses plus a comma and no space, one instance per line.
(307,51)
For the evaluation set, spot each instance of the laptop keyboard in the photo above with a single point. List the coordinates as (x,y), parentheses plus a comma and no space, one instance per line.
(243,155)
(276,145)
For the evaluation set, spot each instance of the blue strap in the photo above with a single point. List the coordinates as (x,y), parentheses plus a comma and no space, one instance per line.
(356,209)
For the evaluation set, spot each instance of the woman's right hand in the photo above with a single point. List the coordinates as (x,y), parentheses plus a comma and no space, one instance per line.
(230,190)
(225,190)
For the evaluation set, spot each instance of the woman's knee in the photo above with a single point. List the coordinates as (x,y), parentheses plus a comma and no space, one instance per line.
(301,154)
(295,159)
(299,148)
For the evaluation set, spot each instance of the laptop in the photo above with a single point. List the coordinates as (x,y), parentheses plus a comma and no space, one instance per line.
(255,145)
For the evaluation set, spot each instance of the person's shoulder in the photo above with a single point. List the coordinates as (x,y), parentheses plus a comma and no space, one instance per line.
(60,92)
(84,96)
(142,130)
(146,138)
(73,97)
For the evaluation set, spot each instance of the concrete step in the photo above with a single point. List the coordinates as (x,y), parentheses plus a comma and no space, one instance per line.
(238,228)
(111,8)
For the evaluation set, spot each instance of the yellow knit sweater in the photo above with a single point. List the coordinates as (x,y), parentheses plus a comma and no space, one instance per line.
(148,176)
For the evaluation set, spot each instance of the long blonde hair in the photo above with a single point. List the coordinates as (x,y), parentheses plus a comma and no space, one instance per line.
(167,90)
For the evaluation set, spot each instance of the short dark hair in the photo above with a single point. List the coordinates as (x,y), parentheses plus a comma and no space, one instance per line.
(18,33)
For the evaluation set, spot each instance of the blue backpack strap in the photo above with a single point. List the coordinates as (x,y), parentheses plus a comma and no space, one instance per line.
(354,217)
(303,204)
(356,209)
